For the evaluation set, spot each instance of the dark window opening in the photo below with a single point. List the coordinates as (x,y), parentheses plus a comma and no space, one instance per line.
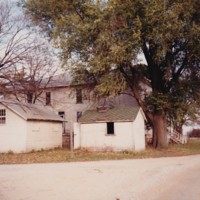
(2,116)
(110,128)
(48,98)
(78,115)
(79,98)
(61,114)
(30,97)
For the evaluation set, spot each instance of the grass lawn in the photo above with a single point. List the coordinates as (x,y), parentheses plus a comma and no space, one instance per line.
(63,155)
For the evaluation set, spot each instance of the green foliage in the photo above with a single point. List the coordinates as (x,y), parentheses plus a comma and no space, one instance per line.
(185,101)
(105,38)
(111,85)
(157,102)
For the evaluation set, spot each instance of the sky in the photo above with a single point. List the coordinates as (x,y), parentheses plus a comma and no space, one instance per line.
(18,10)
(3,40)
(141,58)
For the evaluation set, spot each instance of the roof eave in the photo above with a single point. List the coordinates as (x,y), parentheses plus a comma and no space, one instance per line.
(94,122)
(13,110)
(44,120)
(142,112)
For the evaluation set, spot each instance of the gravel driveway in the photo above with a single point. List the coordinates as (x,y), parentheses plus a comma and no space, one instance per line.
(143,179)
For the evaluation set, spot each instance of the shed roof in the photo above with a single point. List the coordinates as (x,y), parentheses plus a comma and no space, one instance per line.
(117,114)
(31,112)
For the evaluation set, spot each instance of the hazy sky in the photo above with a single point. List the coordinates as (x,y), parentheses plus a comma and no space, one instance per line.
(19,10)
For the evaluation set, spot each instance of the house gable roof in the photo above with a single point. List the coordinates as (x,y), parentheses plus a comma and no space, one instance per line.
(61,80)
(31,112)
(117,114)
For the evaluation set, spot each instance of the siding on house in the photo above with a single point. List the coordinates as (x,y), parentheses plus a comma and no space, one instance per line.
(43,135)
(139,132)
(94,136)
(64,100)
(12,133)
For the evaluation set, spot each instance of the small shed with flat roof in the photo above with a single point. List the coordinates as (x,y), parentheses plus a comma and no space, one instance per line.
(26,127)
(119,128)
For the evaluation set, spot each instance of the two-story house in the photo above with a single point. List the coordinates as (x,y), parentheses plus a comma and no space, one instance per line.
(70,101)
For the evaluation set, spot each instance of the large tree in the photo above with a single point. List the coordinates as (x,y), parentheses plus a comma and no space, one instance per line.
(106,37)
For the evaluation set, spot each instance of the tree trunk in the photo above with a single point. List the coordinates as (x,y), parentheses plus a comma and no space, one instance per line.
(159,131)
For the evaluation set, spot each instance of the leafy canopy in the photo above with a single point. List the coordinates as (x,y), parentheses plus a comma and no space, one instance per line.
(104,39)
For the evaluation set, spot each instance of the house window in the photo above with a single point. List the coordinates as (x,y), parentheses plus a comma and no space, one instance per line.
(29,97)
(2,116)
(79,96)
(78,115)
(61,114)
(48,98)
(110,128)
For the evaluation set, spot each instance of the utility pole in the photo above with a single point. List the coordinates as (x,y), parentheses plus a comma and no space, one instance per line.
(71,141)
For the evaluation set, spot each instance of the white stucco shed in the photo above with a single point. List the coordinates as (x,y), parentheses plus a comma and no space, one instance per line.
(26,127)
(119,128)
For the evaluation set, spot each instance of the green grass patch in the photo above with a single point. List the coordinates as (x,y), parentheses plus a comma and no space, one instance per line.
(63,155)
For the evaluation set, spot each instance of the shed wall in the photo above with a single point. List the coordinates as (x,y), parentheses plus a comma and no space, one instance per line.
(94,136)
(12,133)
(43,135)
(139,132)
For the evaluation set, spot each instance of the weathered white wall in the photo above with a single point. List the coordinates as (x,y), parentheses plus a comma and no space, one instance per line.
(12,133)
(139,132)
(77,135)
(94,136)
(64,99)
(43,135)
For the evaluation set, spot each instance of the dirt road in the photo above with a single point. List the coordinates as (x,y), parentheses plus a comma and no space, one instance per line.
(152,179)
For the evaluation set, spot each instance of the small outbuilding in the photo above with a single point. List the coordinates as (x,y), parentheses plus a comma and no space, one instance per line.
(117,129)
(27,127)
